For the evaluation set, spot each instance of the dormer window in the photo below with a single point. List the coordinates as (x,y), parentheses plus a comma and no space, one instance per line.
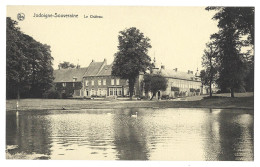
(74,79)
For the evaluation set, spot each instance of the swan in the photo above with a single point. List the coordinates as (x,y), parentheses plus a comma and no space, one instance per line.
(135,116)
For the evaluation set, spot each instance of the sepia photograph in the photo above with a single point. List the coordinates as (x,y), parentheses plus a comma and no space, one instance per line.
(141,83)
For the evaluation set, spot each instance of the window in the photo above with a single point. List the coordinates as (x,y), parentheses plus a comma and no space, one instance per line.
(117,81)
(74,79)
(119,92)
(99,91)
(112,82)
(104,81)
(86,82)
(99,82)
(115,91)
(92,92)
(111,91)
(104,92)
(127,82)
(126,91)
(63,84)
(92,82)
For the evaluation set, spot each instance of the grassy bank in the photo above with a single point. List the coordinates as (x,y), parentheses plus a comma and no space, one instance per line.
(245,101)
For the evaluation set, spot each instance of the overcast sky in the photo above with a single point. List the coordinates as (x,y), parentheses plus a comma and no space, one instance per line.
(178,34)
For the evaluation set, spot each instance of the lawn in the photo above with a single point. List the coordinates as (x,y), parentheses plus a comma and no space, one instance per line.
(242,100)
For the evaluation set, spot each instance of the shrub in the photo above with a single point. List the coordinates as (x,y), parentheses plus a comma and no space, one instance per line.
(143,97)
(52,93)
(175,88)
(165,97)
(192,90)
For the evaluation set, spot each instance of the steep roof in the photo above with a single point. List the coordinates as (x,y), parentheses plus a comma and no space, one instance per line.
(93,68)
(67,75)
(106,70)
(177,74)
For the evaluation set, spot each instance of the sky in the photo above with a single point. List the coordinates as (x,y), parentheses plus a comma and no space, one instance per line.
(178,34)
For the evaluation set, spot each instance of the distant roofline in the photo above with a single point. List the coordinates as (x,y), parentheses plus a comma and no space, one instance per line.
(69,68)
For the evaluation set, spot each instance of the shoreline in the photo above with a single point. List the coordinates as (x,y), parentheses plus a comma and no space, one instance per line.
(246,103)
(78,109)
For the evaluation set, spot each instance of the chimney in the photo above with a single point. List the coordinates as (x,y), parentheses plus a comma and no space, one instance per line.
(92,61)
(59,67)
(188,71)
(191,72)
(175,69)
(105,61)
(163,67)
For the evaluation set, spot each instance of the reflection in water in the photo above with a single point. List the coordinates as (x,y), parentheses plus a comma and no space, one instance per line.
(29,131)
(129,136)
(156,134)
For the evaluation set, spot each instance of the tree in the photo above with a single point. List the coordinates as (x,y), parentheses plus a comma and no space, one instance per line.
(132,56)
(29,69)
(233,23)
(208,76)
(16,61)
(242,19)
(66,65)
(154,83)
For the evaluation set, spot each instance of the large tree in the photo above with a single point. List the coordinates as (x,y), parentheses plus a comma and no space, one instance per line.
(234,23)
(132,56)
(208,76)
(154,83)
(29,69)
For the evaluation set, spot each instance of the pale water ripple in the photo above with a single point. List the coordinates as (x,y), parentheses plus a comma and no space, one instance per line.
(156,134)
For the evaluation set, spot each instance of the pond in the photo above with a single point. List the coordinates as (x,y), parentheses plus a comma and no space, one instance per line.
(117,134)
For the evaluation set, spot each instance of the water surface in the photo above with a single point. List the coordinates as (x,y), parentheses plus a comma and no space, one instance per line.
(156,134)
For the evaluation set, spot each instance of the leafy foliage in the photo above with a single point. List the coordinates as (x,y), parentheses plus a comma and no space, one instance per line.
(68,89)
(154,83)
(173,88)
(132,56)
(209,62)
(52,93)
(29,69)
(241,18)
(66,65)
(233,23)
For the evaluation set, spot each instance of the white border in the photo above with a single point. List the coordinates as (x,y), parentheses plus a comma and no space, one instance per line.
(121,3)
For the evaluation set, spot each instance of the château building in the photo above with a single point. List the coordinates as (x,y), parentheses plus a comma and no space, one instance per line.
(96,80)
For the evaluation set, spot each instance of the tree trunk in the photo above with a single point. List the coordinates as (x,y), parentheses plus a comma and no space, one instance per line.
(211,77)
(232,92)
(152,96)
(131,87)
(210,89)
